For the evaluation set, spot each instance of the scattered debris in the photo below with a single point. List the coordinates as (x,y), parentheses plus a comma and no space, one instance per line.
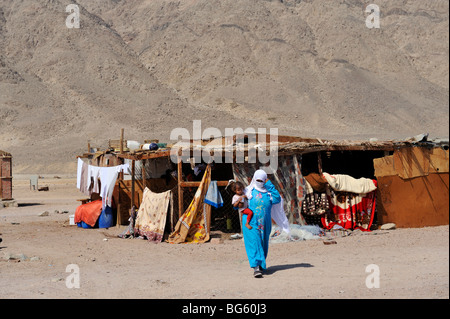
(388,226)
(15,257)
(57,279)
(236,236)
(329,242)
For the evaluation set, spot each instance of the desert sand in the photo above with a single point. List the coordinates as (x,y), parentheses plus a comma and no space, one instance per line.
(34,254)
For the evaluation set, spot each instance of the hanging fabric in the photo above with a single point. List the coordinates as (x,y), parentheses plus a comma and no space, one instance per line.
(193,225)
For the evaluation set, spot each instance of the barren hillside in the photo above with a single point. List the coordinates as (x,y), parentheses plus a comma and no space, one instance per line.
(311,68)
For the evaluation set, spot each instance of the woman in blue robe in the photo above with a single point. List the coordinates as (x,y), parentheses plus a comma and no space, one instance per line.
(261,195)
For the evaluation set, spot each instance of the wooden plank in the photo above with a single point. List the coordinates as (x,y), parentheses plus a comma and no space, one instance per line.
(133,180)
(180,180)
(319,162)
(145,155)
(1,177)
(144,174)
(119,206)
(197,184)
(121,140)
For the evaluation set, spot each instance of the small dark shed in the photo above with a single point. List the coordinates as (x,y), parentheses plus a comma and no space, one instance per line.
(5,176)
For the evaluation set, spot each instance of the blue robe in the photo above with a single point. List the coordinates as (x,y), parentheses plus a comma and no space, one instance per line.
(257,239)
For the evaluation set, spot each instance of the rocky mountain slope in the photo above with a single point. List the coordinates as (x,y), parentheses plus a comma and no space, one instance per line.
(308,67)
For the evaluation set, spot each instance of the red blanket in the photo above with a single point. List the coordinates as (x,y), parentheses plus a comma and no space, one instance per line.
(89,213)
(349,210)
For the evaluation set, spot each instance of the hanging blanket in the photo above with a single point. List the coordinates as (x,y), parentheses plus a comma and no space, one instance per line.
(346,183)
(88,213)
(192,227)
(151,217)
(350,210)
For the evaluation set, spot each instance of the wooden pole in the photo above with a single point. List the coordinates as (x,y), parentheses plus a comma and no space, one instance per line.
(319,162)
(1,177)
(180,180)
(121,140)
(133,180)
(119,205)
(144,174)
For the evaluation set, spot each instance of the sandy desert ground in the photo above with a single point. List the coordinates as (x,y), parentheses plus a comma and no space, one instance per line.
(413,263)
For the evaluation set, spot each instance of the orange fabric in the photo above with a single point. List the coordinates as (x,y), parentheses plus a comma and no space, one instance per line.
(89,213)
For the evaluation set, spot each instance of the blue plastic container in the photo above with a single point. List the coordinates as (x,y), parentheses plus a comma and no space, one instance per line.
(106,218)
(84,225)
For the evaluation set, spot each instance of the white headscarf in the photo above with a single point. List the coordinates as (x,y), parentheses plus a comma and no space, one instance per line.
(259,186)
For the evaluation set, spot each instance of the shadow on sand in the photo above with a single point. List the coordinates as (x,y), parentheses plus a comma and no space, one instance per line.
(29,204)
(273,269)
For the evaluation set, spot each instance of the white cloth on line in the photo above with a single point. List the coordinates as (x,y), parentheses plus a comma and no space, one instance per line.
(108,178)
(79,168)
(94,174)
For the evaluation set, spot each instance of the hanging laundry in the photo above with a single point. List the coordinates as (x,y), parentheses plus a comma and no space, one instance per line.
(92,179)
(193,225)
(213,196)
(82,177)
(108,178)
(152,215)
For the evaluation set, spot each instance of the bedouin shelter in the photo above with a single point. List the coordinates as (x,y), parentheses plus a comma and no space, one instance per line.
(159,190)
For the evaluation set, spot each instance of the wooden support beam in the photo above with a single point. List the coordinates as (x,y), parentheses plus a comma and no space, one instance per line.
(133,180)
(121,140)
(319,162)
(144,174)
(119,206)
(197,184)
(180,180)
